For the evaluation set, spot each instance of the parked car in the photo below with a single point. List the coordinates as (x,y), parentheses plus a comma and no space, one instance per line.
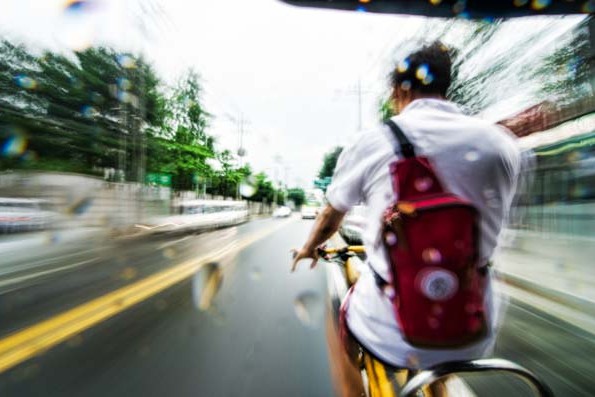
(282,212)
(23,215)
(309,211)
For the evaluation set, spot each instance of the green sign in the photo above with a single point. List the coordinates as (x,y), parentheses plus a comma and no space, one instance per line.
(322,183)
(159,179)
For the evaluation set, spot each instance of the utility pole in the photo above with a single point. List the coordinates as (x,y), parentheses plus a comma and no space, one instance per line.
(359,93)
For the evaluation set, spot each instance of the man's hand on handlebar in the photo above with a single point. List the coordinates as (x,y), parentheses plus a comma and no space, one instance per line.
(304,253)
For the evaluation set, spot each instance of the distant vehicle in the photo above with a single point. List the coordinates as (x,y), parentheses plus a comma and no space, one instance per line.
(196,215)
(24,215)
(282,212)
(310,210)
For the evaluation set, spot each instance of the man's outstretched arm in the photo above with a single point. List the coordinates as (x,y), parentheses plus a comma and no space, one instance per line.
(326,224)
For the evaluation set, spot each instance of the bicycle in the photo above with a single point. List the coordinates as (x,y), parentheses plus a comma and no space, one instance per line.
(410,385)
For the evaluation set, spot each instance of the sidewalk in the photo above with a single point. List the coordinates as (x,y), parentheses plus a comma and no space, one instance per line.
(554,273)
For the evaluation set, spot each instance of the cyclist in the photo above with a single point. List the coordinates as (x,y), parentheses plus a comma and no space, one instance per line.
(473,158)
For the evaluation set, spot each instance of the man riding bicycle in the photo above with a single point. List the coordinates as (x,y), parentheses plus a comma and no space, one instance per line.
(473,159)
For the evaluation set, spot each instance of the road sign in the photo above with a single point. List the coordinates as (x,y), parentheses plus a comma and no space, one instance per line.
(154,178)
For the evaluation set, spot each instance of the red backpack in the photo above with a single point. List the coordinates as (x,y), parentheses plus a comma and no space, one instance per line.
(432,240)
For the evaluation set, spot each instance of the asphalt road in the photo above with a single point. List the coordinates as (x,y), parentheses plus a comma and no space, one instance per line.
(242,327)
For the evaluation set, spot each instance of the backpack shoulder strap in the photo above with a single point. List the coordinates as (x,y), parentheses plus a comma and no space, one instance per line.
(404,143)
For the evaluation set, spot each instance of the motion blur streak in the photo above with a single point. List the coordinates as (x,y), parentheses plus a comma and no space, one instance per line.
(38,338)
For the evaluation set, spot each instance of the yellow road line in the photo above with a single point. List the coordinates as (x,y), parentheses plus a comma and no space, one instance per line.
(25,344)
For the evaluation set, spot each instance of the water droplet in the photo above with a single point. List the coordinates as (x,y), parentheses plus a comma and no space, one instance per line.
(124,84)
(494,203)
(431,256)
(248,187)
(540,4)
(81,206)
(422,71)
(389,291)
(459,244)
(390,238)
(255,274)
(435,2)
(459,6)
(406,85)
(160,305)
(25,82)
(588,7)
(128,273)
(75,6)
(428,79)
(437,310)
(433,322)
(470,308)
(489,193)
(423,184)
(206,284)
(89,111)
(472,155)
(309,309)
(52,238)
(15,145)
(169,253)
(126,61)
(75,341)
(403,66)
(412,360)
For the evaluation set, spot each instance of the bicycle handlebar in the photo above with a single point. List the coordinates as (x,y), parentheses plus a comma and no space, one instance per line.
(427,377)
(356,249)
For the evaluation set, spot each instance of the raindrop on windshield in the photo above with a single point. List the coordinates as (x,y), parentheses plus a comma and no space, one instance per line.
(309,309)
(471,156)
(205,285)
(489,193)
(403,66)
(423,184)
(406,85)
(431,256)
(390,238)
(81,206)
(15,145)
(494,203)
(255,274)
(540,4)
(25,82)
(422,71)
(128,273)
(248,187)
(588,7)
(459,7)
(169,253)
(126,61)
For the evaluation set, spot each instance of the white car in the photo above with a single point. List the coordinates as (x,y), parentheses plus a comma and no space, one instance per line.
(309,212)
(22,215)
(282,212)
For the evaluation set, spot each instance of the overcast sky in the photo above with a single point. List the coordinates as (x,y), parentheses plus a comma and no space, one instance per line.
(291,73)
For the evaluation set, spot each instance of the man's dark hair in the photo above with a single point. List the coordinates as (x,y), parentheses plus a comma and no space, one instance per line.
(427,71)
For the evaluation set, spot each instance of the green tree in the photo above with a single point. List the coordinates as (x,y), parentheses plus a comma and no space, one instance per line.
(329,162)
(297,195)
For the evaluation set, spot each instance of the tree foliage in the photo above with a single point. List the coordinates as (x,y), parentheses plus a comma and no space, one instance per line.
(330,162)
(107,113)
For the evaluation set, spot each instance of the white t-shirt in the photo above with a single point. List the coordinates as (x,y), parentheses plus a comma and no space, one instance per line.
(473,159)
